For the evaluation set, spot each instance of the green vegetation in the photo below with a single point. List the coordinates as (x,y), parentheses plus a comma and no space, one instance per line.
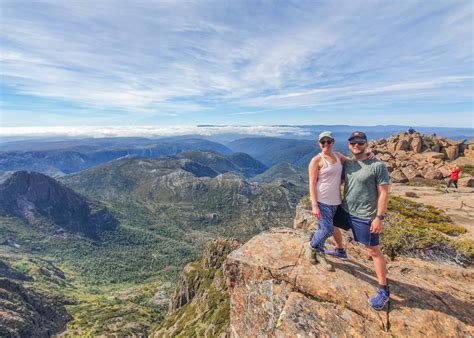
(417,229)
(467,169)
(208,313)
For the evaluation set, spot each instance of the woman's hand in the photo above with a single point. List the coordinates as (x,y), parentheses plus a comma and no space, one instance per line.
(315,212)
(371,155)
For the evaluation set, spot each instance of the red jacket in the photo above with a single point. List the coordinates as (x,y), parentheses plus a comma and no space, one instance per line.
(455,173)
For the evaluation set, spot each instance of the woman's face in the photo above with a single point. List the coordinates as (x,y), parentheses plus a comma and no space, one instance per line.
(326,143)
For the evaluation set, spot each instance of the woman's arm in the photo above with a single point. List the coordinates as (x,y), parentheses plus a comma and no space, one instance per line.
(342,157)
(313,171)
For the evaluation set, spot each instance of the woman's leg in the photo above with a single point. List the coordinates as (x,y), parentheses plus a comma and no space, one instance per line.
(325,226)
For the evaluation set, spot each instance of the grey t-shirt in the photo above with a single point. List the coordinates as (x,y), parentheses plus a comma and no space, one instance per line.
(361,179)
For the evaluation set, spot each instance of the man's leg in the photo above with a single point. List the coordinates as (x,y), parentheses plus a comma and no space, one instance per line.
(380,265)
(382,296)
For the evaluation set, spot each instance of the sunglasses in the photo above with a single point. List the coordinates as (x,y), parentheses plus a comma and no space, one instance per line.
(323,142)
(358,143)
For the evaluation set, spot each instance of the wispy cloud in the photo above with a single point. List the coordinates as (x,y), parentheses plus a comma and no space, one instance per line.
(149,61)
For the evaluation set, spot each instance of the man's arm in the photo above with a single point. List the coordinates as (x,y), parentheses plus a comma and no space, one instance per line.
(313,171)
(382,204)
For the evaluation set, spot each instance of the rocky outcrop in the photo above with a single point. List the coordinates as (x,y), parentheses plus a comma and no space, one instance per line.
(41,200)
(199,305)
(28,313)
(411,155)
(276,292)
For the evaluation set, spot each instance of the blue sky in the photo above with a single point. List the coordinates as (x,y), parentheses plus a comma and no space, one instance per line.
(125,63)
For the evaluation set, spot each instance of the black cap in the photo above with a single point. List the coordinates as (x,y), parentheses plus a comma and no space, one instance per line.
(358,136)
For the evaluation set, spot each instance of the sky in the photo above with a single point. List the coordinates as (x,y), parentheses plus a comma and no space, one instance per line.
(257,63)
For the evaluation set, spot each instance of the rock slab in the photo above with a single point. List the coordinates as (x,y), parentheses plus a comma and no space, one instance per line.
(276,292)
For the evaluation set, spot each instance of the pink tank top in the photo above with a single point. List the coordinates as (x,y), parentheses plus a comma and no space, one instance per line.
(328,186)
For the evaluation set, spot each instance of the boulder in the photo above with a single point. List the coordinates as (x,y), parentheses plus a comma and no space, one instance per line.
(303,218)
(436,147)
(432,155)
(455,143)
(445,170)
(403,145)
(411,172)
(385,157)
(467,181)
(452,152)
(432,173)
(469,152)
(397,176)
(416,144)
(392,146)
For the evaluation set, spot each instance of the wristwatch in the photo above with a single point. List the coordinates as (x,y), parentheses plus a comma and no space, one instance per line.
(380,217)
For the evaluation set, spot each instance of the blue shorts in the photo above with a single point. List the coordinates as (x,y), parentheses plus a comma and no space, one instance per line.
(360,227)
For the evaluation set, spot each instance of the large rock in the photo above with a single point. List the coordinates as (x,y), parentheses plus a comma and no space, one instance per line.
(432,173)
(445,170)
(397,176)
(411,172)
(466,181)
(469,152)
(433,155)
(303,218)
(276,292)
(452,152)
(403,145)
(416,144)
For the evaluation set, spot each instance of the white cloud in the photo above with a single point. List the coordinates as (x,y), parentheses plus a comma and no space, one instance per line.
(149,131)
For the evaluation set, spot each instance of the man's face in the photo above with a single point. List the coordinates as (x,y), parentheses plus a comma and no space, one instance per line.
(357,147)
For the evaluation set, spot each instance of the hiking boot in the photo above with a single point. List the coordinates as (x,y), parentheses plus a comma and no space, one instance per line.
(338,253)
(381,298)
(321,257)
(311,254)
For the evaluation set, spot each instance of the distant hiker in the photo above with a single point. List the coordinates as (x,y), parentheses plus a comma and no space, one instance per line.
(453,178)
(325,171)
(365,199)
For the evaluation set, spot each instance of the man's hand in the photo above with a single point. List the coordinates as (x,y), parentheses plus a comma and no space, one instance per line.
(376,226)
(316,212)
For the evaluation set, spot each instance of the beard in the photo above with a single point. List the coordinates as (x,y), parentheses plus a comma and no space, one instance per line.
(358,151)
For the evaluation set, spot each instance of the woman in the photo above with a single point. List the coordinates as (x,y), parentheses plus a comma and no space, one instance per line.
(325,171)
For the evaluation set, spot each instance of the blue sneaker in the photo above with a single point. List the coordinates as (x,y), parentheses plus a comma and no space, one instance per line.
(380,299)
(339,253)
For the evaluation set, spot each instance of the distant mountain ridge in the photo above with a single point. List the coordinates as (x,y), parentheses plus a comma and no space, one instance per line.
(70,159)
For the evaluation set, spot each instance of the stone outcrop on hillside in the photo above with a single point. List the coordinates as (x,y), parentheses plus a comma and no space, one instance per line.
(25,312)
(413,155)
(276,292)
(199,305)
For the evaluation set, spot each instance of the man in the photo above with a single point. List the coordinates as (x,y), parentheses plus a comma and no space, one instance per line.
(366,186)
(453,178)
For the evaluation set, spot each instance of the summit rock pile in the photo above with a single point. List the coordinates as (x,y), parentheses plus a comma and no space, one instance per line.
(411,155)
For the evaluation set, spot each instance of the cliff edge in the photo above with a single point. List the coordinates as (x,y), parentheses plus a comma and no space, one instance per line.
(276,292)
